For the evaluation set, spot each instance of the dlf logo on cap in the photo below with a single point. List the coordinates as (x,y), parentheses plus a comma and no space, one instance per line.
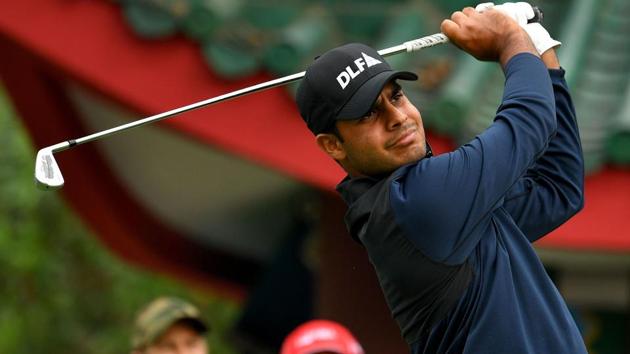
(347,75)
(342,84)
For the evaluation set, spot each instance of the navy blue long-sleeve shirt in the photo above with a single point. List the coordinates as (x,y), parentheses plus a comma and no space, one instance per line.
(450,236)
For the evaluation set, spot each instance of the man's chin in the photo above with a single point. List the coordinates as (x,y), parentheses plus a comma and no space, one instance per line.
(406,161)
(417,153)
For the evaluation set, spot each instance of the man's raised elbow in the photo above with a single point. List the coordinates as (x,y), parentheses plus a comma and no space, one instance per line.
(576,203)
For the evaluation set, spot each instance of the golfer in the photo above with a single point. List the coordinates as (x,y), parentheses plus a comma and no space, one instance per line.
(450,236)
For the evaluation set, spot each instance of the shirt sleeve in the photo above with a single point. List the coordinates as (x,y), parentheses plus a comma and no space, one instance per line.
(440,201)
(552,190)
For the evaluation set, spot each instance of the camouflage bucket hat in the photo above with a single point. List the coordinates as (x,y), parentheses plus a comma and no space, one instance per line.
(159,315)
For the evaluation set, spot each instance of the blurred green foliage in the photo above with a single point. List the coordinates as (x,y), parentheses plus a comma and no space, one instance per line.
(61,290)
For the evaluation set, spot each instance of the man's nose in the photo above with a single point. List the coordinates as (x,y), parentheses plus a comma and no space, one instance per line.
(395,117)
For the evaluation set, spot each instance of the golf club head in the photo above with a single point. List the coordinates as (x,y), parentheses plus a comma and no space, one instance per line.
(47,173)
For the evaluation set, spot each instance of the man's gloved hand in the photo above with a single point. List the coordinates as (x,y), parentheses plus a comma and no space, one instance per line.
(521,12)
(541,38)
(488,36)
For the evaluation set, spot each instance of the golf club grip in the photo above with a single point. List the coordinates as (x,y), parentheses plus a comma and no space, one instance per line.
(439,38)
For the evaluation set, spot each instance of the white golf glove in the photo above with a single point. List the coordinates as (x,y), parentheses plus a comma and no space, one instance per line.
(540,37)
(521,12)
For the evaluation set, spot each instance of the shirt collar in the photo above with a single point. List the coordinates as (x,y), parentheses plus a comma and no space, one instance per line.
(352,188)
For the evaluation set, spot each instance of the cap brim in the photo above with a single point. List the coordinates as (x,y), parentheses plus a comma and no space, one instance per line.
(194,323)
(362,100)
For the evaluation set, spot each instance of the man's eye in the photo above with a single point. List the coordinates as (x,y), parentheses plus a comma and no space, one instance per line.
(397,96)
(371,114)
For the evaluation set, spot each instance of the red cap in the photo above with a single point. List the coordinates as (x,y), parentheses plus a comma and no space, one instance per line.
(321,336)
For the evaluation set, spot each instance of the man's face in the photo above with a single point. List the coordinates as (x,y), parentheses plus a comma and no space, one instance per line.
(179,339)
(391,135)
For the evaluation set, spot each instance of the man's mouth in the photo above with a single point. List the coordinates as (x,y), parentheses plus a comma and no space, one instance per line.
(407,137)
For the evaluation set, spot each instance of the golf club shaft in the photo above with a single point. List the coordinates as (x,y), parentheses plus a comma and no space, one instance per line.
(409,46)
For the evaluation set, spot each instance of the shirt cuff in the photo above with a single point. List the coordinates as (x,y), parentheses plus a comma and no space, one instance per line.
(557,73)
(523,59)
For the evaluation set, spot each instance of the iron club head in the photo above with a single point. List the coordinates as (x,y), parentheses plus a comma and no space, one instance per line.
(47,172)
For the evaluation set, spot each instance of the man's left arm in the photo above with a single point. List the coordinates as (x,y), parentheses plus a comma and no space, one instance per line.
(552,191)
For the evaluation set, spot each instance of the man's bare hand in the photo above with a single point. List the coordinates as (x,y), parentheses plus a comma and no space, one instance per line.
(488,36)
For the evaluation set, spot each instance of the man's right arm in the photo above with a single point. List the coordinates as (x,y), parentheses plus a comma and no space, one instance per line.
(448,198)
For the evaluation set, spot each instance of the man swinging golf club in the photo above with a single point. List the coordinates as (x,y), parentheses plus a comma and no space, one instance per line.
(450,236)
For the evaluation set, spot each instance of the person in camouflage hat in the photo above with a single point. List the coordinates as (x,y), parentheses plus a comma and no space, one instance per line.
(169,325)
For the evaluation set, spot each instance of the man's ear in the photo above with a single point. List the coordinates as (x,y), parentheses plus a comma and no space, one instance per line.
(330,144)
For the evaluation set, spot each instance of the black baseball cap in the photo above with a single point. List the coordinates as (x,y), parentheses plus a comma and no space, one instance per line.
(342,84)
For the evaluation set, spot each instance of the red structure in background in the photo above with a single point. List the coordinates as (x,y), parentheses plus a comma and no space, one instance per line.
(46,43)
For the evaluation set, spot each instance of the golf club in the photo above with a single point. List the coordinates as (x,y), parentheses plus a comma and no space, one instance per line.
(47,172)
